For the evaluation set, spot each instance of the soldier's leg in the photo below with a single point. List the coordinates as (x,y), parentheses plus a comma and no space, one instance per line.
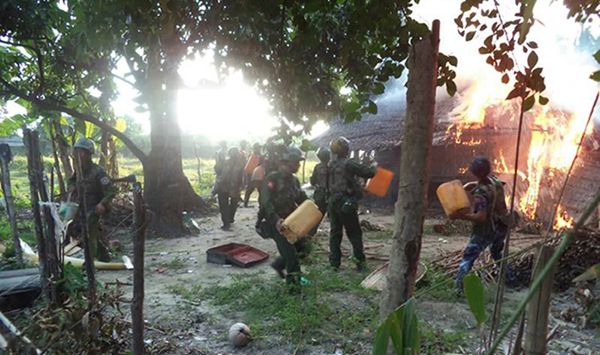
(290,256)
(354,233)
(233,205)
(223,200)
(475,246)
(496,249)
(335,238)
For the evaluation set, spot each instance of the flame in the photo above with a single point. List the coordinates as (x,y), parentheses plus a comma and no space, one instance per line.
(563,221)
(500,166)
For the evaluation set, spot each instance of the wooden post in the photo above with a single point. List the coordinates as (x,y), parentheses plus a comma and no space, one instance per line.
(137,305)
(31,139)
(539,307)
(414,172)
(59,176)
(85,233)
(5,158)
(54,268)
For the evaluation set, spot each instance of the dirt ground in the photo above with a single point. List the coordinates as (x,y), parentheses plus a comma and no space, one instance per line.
(182,326)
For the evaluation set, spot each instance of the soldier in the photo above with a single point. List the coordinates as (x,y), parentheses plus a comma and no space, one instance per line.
(252,184)
(220,157)
(228,186)
(280,195)
(344,193)
(318,180)
(490,219)
(98,191)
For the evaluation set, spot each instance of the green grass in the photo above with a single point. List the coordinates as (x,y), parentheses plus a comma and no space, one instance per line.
(440,341)
(191,294)
(331,310)
(176,263)
(438,286)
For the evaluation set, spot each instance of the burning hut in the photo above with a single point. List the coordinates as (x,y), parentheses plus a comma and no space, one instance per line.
(471,124)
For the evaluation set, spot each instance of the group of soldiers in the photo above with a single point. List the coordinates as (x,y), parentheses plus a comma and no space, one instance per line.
(337,191)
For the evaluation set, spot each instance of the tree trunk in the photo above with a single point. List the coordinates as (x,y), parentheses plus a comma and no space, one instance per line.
(167,190)
(414,176)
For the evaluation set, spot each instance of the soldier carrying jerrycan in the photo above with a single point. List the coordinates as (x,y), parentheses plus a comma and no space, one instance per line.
(489,215)
(344,193)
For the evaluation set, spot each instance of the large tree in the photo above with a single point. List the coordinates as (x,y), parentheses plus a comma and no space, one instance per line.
(63,57)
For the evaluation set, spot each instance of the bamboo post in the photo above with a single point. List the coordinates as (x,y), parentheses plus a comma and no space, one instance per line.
(537,312)
(5,158)
(30,140)
(137,306)
(59,176)
(52,259)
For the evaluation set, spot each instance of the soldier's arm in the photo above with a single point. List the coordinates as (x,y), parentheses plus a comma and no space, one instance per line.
(361,170)
(313,177)
(108,189)
(301,195)
(479,214)
(266,190)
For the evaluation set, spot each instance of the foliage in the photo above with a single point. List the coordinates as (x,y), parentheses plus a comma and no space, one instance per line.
(474,293)
(402,326)
(504,36)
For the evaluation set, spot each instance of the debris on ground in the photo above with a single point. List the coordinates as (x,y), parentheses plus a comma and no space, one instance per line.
(370,226)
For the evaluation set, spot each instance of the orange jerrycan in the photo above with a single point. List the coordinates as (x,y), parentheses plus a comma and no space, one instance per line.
(379,184)
(301,221)
(251,164)
(453,196)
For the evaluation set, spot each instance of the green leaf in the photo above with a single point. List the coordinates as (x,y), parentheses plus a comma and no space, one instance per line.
(470,36)
(453,60)
(595,76)
(543,100)
(475,297)
(378,88)
(382,339)
(528,103)
(590,274)
(450,87)
(372,108)
(597,56)
(532,59)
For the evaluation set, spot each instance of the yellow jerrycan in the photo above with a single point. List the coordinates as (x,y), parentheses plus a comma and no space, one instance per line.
(301,221)
(379,184)
(453,196)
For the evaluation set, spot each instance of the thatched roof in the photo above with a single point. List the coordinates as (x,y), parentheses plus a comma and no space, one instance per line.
(383,130)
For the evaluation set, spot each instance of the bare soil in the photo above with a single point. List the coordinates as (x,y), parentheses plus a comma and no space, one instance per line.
(176,325)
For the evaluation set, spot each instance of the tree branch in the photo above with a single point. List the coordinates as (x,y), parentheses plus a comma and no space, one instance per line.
(52,105)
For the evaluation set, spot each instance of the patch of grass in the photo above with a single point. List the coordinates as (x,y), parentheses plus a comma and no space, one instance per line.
(332,309)
(192,294)
(438,341)
(175,263)
(381,235)
(437,285)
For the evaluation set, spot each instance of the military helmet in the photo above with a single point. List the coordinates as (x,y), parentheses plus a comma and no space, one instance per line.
(324,154)
(292,154)
(480,166)
(86,144)
(340,146)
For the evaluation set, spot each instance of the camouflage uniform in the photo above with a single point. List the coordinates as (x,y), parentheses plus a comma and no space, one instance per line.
(488,195)
(280,195)
(98,188)
(344,193)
